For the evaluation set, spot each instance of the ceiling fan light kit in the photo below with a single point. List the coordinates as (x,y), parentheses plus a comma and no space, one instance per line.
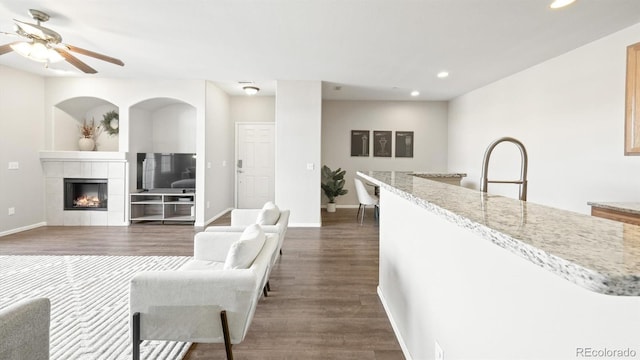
(44,45)
(37,51)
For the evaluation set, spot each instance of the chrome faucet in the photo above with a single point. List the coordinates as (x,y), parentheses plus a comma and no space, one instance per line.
(523,167)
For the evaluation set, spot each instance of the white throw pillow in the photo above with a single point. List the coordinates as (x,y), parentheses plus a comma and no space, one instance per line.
(244,251)
(269,214)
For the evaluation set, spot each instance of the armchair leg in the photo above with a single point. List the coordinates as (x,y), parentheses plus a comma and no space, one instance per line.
(136,336)
(264,291)
(225,331)
(268,286)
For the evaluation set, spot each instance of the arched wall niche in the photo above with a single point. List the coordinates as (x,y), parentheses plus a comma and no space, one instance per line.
(70,114)
(161,125)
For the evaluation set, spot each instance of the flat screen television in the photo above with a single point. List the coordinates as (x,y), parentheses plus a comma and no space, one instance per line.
(158,171)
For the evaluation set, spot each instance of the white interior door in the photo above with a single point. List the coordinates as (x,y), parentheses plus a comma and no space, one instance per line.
(255,166)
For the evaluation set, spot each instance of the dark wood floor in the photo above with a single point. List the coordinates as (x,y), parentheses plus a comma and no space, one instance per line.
(323,303)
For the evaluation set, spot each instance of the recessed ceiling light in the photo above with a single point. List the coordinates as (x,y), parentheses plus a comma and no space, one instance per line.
(442,74)
(557,4)
(415,93)
(250,90)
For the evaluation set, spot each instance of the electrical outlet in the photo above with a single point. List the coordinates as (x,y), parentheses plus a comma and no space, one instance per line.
(310,166)
(439,355)
(14,165)
(208,204)
(12,211)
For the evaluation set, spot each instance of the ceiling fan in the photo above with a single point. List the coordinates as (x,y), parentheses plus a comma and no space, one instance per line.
(45,45)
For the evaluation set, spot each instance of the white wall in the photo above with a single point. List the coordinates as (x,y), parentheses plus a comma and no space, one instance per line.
(21,139)
(174,129)
(569,113)
(219,153)
(140,139)
(252,108)
(298,143)
(428,121)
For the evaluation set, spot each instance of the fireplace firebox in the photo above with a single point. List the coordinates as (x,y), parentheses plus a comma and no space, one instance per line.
(85,194)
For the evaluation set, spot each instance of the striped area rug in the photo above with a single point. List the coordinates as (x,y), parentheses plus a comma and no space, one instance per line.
(89,302)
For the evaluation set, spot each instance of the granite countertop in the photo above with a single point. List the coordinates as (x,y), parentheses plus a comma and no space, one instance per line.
(625,207)
(428,175)
(598,254)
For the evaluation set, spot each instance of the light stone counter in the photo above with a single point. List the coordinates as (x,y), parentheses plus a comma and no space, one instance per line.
(428,175)
(597,254)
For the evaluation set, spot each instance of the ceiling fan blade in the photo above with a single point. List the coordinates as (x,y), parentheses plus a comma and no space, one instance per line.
(76,62)
(7,48)
(94,55)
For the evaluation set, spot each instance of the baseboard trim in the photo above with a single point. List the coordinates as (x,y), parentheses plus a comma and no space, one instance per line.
(403,345)
(307,225)
(21,229)
(215,217)
(342,206)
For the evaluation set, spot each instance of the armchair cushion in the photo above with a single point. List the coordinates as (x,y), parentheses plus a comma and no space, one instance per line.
(24,330)
(269,214)
(244,251)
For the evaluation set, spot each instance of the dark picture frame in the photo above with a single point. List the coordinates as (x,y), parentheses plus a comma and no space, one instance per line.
(382,143)
(404,144)
(360,140)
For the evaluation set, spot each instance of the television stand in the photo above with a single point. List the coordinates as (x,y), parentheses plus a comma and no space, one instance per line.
(165,206)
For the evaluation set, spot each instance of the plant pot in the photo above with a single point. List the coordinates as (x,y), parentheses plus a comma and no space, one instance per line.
(86,144)
(331,207)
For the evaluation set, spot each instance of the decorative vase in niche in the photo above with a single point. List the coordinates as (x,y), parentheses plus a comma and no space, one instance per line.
(86,144)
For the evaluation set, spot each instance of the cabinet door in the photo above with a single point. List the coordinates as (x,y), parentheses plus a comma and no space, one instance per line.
(632,101)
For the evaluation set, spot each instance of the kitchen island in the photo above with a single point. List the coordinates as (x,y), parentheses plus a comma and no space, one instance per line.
(489,277)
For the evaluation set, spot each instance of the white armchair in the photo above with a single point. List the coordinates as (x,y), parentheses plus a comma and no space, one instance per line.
(24,330)
(206,300)
(241,218)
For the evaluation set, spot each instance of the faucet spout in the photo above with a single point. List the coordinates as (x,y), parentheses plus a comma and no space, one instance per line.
(523,167)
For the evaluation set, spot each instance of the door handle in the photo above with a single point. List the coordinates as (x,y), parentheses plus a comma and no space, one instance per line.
(240,171)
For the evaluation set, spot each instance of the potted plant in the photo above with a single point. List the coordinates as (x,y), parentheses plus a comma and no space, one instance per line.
(333,185)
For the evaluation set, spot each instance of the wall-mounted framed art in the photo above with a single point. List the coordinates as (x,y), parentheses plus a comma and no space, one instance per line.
(404,144)
(360,142)
(382,143)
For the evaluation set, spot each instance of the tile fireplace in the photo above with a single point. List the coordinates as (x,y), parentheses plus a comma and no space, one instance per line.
(85,194)
(102,175)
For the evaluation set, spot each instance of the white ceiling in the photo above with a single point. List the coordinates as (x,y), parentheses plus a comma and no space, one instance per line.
(372,49)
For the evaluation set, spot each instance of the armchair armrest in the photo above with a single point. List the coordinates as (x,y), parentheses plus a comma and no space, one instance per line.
(265,228)
(186,305)
(24,329)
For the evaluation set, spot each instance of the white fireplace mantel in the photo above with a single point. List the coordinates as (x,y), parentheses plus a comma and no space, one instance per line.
(83,156)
